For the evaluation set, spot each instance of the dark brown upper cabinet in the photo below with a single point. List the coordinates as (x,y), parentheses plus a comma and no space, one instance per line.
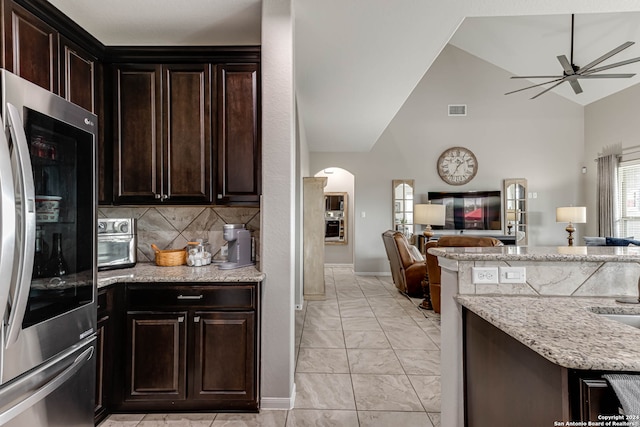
(176,125)
(31,47)
(162,130)
(78,75)
(239,140)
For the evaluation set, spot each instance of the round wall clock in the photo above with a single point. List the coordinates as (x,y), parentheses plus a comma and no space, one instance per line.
(457,165)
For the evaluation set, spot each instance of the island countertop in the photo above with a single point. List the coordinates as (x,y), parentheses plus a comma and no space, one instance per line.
(146,272)
(565,330)
(541,253)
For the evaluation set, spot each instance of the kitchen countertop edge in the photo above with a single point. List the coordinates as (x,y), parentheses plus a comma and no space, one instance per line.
(541,253)
(565,330)
(149,273)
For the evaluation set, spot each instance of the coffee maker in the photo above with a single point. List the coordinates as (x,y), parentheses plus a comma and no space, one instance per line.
(239,250)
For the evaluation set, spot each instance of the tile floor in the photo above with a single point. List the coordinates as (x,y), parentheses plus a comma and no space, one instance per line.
(366,356)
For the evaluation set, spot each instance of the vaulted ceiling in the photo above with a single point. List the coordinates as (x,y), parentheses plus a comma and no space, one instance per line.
(357,61)
(529,45)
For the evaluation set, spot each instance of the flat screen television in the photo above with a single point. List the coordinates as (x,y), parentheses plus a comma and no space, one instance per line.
(470,210)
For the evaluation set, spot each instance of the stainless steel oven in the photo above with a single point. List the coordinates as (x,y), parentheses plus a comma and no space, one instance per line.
(117,243)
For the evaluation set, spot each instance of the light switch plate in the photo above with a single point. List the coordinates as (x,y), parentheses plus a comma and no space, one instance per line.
(513,275)
(484,275)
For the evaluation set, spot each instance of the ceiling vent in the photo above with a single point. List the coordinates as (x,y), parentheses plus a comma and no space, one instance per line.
(458,110)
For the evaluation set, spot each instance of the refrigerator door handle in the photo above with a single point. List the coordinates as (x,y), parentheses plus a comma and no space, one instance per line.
(23,264)
(46,389)
(7,222)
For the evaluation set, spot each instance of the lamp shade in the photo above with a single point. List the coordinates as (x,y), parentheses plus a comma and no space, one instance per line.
(428,214)
(511,215)
(575,214)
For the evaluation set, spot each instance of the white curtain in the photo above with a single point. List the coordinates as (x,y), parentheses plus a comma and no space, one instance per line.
(607,192)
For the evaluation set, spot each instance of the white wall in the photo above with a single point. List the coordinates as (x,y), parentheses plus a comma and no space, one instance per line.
(609,121)
(302,169)
(512,137)
(278,230)
(340,181)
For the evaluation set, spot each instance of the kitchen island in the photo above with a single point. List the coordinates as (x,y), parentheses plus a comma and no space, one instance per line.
(549,307)
(178,339)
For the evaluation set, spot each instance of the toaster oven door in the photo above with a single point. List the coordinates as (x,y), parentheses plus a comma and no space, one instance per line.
(116,252)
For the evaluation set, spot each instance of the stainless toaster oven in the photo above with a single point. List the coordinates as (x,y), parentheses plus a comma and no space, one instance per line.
(117,243)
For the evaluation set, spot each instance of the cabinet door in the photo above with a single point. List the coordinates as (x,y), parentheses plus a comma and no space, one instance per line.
(138,134)
(31,47)
(187,136)
(239,157)
(224,356)
(101,345)
(104,352)
(156,349)
(77,84)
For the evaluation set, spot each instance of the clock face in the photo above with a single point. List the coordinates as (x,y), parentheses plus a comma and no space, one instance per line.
(457,166)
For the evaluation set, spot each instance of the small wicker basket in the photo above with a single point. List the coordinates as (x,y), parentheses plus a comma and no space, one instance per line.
(169,257)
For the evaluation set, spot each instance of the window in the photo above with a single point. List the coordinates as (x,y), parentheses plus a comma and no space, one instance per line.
(628,221)
(403,206)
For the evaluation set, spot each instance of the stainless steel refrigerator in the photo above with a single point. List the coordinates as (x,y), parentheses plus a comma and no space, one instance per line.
(47,258)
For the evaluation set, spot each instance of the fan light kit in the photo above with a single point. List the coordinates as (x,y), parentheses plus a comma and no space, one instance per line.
(572,72)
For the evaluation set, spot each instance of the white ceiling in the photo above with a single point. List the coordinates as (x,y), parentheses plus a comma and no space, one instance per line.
(357,61)
(167,22)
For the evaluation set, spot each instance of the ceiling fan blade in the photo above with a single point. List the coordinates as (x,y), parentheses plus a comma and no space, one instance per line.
(575,86)
(537,77)
(548,89)
(566,65)
(606,76)
(529,87)
(610,66)
(606,56)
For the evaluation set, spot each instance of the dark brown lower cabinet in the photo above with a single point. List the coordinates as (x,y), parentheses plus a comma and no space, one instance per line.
(190,347)
(156,350)
(104,352)
(507,383)
(224,372)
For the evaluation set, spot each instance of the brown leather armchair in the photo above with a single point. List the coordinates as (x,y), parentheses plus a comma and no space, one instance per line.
(432,260)
(406,271)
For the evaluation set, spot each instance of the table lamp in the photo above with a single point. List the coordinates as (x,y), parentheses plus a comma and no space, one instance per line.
(428,215)
(571,214)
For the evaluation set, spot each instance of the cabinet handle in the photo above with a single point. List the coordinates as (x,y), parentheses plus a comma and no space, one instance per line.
(190,296)
(181,319)
(196,319)
(164,197)
(157,196)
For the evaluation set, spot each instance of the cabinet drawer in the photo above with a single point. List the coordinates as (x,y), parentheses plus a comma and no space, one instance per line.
(223,297)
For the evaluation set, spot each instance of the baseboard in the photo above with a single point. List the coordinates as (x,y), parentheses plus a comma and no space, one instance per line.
(279,403)
(372,273)
(339,266)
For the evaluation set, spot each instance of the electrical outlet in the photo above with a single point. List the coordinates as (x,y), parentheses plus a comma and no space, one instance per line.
(513,275)
(484,275)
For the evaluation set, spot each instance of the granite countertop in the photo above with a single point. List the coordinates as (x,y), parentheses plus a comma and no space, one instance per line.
(565,330)
(146,272)
(541,253)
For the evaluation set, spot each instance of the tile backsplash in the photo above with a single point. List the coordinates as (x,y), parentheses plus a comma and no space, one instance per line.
(172,227)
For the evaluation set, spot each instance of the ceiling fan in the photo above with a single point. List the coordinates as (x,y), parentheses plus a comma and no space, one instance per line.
(572,72)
